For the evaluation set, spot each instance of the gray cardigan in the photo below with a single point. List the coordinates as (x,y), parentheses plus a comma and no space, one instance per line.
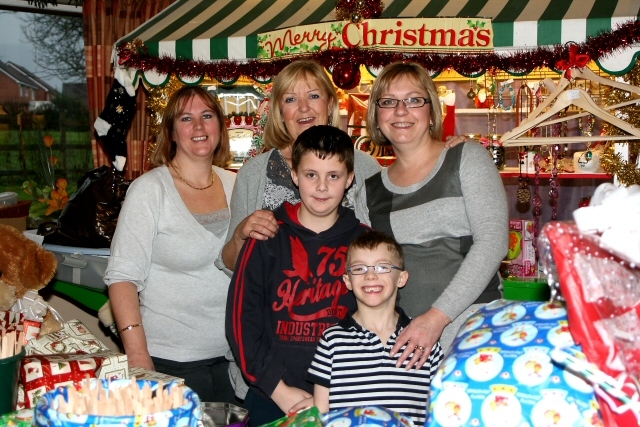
(161,248)
(248,192)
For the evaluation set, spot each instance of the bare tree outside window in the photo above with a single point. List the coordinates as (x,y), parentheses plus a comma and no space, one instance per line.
(59,45)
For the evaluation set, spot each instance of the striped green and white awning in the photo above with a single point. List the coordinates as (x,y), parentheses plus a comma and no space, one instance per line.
(208,30)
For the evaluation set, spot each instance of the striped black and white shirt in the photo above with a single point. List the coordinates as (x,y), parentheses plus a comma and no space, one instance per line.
(356,367)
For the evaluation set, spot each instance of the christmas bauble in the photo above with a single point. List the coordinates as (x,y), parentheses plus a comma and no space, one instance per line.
(346,75)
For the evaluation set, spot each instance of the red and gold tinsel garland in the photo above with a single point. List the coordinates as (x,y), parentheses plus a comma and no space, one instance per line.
(135,55)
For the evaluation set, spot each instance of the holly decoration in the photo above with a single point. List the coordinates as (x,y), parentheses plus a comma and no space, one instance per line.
(475,25)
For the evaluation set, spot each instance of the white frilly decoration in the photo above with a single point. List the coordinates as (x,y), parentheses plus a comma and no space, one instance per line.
(614,213)
(127,78)
(101,126)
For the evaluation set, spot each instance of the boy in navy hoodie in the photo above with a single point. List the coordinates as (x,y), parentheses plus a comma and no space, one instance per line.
(287,290)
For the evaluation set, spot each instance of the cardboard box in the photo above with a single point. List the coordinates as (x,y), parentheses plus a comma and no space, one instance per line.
(19,223)
(521,251)
(15,215)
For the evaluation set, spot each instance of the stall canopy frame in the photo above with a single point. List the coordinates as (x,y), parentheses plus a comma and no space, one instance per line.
(206,30)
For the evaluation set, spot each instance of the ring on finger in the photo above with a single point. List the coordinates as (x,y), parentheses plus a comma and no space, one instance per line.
(419,348)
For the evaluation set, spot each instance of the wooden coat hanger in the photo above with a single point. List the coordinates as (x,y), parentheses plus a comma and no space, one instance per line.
(580,73)
(576,97)
(586,74)
(537,118)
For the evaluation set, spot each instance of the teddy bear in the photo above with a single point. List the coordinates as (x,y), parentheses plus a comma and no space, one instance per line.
(24,266)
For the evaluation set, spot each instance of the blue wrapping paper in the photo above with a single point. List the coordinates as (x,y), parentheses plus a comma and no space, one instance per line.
(187,415)
(499,372)
(370,416)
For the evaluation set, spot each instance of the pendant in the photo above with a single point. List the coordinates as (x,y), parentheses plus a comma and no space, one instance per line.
(523,194)
(498,154)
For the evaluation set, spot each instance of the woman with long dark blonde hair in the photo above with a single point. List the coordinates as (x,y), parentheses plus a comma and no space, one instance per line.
(167,296)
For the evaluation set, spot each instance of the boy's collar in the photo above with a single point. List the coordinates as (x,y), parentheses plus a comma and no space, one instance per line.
(292,211)
(349,321)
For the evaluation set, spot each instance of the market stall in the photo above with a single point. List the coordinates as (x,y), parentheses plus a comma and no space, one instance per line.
(190,41)
(500,48)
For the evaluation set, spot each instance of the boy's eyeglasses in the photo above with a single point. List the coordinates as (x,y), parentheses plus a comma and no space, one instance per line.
(380,268)
(408,102)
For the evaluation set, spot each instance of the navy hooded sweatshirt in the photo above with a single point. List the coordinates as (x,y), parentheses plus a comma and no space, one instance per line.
(284,293)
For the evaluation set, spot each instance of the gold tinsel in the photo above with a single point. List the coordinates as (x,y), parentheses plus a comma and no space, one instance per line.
(156,103)
(626,172)
(135,46)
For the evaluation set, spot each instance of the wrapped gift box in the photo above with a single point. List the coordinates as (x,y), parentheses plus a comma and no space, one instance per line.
(145,374)
(309,417)
(499,372)
(21,418)
(370,416)
(40,373)
(74,337)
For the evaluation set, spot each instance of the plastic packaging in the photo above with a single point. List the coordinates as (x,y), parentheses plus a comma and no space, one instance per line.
(8,198)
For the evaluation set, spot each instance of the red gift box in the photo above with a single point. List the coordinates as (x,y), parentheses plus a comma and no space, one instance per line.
(41,373)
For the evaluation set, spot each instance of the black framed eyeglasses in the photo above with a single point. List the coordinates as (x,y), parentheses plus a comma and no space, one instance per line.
(380,268)
(408,102)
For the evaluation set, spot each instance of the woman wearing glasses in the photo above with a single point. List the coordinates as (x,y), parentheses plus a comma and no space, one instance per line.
(302,96)
(445,206)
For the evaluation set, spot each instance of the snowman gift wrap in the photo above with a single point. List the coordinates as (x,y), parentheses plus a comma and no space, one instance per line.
(500,373)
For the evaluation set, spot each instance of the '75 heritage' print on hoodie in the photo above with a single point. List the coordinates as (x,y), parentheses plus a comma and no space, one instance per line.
(284,293)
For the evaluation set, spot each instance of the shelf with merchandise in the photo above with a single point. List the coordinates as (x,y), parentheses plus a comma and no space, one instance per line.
(514,172)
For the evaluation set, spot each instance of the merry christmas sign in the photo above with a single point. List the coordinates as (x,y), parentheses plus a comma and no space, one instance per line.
(401,34)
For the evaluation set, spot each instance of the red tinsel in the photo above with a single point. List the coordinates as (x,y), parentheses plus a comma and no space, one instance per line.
(464,63)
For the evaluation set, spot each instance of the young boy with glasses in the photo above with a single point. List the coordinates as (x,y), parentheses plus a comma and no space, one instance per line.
(352,365)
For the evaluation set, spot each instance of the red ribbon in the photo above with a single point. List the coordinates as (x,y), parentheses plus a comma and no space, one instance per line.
(576,60)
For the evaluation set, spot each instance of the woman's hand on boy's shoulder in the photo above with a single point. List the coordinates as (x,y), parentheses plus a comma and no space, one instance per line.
(260,225)
(420,336)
